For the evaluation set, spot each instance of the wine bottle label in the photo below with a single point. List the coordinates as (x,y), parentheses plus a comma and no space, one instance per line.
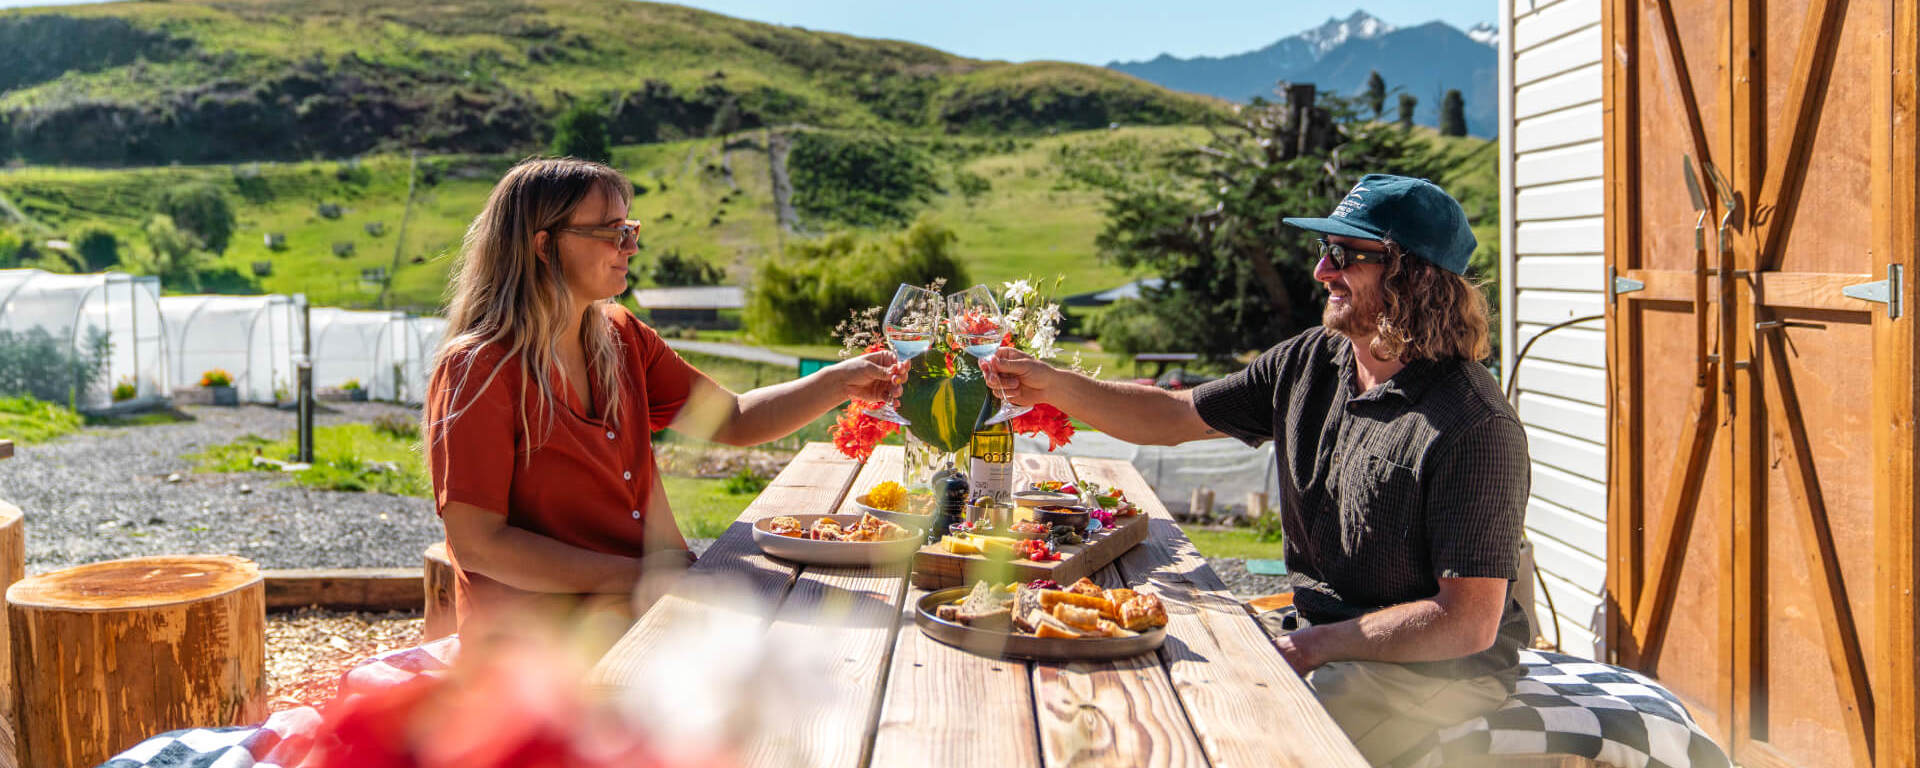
(993,478)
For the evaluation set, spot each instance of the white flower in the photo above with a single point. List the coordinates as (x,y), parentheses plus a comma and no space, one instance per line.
(1050,317)
(1017,291)
(1042,343)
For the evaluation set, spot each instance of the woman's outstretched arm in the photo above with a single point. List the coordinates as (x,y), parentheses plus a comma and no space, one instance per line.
(714,413)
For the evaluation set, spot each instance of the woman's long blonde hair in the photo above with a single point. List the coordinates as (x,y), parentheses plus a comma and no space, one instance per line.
(504,294)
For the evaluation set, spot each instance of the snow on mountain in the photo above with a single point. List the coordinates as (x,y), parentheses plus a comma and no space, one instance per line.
(1360,26)
(1485,33)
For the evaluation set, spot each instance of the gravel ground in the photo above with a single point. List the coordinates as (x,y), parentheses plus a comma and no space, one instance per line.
(1244,585)
(102,493)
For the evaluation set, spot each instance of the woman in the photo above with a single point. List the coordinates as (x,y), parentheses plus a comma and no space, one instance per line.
(544,396)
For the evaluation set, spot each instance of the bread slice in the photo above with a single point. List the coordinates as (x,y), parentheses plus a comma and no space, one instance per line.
(982,609)
(1082,619)
(1052,597)
(1111,629)
(1143,612)
(1049,626)
(1085,586)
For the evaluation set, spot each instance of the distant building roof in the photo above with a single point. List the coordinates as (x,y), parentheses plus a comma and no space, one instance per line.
(1111,295)
(694,297)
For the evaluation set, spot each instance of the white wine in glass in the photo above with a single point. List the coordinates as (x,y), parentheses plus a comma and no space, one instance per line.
(911,320)
(975,319)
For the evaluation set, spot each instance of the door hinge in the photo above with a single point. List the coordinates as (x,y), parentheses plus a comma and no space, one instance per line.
(1883,291)
(1617,285)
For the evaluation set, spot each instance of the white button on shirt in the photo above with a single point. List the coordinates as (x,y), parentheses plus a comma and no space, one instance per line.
(609,435)
(636,514)
(626,475)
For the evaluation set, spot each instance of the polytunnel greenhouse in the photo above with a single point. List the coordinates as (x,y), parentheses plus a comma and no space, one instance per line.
(96,339)
(253,338)
(388,353)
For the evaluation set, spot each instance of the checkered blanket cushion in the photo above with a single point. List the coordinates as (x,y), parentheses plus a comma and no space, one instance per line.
(284,740)
(1565,705)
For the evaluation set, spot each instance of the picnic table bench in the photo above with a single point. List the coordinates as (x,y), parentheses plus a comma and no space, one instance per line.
(1160,360)
(1217,693)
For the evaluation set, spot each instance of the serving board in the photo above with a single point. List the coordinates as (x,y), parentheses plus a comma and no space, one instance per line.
(935,568)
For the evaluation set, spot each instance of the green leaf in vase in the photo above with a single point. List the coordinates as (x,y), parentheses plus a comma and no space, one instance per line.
(943,408)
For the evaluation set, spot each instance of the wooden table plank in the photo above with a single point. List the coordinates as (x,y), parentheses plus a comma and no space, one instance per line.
(1114,713)
(945,706)
(817,478)
(852,615)
(1242,700)
(1117,713)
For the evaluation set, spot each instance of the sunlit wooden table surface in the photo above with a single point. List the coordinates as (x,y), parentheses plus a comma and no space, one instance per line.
(1217,693)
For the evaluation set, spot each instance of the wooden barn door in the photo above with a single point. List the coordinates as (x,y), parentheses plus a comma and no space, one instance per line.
(1761,364)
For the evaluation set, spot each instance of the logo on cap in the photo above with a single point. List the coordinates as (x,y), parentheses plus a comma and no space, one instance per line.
(1350,203)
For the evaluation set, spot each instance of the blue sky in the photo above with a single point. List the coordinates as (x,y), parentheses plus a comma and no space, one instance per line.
(1087,31)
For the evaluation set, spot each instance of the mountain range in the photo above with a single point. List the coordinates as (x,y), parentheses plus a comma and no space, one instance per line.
(1424,60)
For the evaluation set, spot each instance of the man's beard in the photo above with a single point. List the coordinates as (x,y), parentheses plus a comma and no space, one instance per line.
(1353,317)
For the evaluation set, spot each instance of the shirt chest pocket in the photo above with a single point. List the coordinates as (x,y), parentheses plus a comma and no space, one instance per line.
(1378,498)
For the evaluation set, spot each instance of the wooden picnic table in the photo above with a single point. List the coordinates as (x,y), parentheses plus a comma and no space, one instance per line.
(1216,694)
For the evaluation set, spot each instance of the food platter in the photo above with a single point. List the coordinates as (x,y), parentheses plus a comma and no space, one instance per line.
(904,519)
(812,552)
(998,643)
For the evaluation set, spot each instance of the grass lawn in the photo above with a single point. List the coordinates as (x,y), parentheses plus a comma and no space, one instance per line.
(27,420)
(704,507)
(1238,542)
(347,457)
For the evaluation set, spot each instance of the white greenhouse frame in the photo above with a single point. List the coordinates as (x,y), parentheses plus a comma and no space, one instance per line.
(124,307)
(253,338)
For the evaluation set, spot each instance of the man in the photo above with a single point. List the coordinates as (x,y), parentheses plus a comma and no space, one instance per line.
(1404,481)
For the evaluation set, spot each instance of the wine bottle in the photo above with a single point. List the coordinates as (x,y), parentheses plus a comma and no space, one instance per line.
(992,451)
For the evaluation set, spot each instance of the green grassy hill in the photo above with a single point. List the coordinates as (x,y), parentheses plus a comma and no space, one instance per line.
(220,80)
(1026,222)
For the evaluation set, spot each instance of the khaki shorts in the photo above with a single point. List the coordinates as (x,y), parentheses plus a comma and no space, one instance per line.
(1385,708)
(1388,709)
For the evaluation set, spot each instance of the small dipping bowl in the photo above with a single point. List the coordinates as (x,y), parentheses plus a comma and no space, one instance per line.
(1061,514)
(996,517)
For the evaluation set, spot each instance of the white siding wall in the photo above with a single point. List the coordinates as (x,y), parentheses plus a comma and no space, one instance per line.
(1553,231)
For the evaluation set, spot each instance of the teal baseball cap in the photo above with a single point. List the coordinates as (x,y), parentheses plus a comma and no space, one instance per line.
(1415,214)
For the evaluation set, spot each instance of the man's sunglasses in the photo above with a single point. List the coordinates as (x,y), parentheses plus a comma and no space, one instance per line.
(627,232)
(1342,257)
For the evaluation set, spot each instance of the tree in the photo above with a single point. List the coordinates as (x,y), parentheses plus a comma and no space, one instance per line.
(1407,103)
(1453,114)
(96,247)
(1207,221)
(799,295)
(201,210)
(173,254)
(581,132)
(1376,97)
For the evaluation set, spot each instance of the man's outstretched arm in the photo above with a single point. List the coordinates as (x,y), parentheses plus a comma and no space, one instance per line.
(1136,413)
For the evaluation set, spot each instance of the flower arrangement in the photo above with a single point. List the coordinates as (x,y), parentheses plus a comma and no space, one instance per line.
(216,378)
(1030,323)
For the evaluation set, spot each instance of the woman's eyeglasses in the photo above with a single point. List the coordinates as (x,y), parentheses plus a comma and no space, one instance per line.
(627,232)
(1342,257)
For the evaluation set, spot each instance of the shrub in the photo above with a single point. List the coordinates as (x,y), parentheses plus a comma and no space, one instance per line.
(675,268)
(216,378)
(351,385)
(859,180)
(581,132)
(96,246)
(746,481)
(329,210)
(173,254)
(201,209)
(36,363)
(800,295)
(397,425)
(125,390)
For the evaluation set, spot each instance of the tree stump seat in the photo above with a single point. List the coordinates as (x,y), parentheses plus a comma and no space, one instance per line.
(108,654)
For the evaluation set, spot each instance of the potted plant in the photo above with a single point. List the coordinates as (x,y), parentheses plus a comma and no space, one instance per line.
(354,391)
(125,390)
(220,383)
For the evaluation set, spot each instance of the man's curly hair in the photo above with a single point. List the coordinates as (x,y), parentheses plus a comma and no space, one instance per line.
(1428,313)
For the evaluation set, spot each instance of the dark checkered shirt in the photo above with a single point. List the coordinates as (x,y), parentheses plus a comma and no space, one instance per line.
(1382,493)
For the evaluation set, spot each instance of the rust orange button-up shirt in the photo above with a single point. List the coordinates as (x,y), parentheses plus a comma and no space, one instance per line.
(567,475)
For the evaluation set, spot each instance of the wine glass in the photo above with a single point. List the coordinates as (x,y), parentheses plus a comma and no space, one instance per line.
(975,319)
(909,326)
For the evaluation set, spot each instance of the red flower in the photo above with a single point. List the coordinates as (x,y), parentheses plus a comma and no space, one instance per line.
(1046,420)
(855,433)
